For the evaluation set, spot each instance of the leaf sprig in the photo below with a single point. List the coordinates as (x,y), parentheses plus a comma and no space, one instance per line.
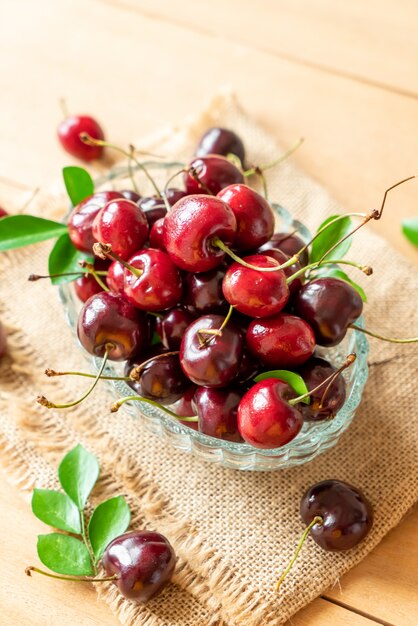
(65,553)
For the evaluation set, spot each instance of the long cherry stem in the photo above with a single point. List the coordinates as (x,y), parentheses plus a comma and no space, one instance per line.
(316,520)
(216,331)
(91,269)
(51,405)
(283,157)
(366,269)
(77,579)
(34,277)
(336,219)
(347,363)
(382,337)
(220,244)
(116,406)
(104,251)
(52,373)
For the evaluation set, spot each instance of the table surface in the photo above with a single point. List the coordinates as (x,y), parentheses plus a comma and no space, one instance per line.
(343,75)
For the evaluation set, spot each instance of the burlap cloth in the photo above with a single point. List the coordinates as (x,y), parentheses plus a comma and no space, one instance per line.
(232,531)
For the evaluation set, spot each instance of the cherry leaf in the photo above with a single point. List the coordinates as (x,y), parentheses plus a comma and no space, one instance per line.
(109,520)
(410,229)
(56,509)
(291,378)
(78,183)
(17,231)
(65,257)
(78,473)
(332,235)
(64,554)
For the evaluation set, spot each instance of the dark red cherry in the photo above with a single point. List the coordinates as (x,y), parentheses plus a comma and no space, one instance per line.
(156,235)
(159,287)
(290,244)
(265,417)
(203,292)
(346,513)
(153,208)
(249,367)
(281,258)
(184,406)
(80,222)
(3,341)
(3,212)
(191,226)
(217,411)
(130,194)
(161,379)
(211,360)
(172,326)
(210,174)
(283,342)
(321,407)
(107,318)
(173,195)
(69,135)
(254,215)
(221,141)
(258,294)
(329,305)
(115,278)
(144,562)
(86,286)
(123,225)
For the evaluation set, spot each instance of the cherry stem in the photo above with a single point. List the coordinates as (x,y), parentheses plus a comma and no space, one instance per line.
(316,520)
(324,228)
(90,141)
(283,157)
(347,363)
(366,269)
(401,182)
(214,332)
(104,251)
(51,405)
(193,173)
(390,339)
(51,373)
(33,277)
(63,106)
(116,406)
(220,244)
(78,579)
(135,373)
(91,270)
(130,170)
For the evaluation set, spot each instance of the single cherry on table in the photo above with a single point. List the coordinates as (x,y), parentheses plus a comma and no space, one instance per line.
(222,141)
(69,135)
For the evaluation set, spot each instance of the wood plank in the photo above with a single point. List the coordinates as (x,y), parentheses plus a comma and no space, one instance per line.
(362,40)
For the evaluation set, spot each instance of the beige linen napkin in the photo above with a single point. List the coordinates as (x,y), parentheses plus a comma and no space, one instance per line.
(233,531)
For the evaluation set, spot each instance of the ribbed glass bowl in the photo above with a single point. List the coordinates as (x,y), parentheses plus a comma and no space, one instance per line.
(313,439)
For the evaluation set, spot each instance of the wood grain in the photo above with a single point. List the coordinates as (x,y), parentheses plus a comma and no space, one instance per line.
(138,72)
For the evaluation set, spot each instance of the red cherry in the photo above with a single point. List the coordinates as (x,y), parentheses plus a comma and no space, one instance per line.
(184,406)
(281,257)
(217,411)
(3,212)
(156,235)
(130,194)
(203,292)
(159,287)
(86,286)
(283,341)
(290,244)
(258,294)
(69,135)
(115,278)
(191,226)
(254,215)
(123,225)
(172,326)
(210,174)
(265,417)
(80,222)
(221,141)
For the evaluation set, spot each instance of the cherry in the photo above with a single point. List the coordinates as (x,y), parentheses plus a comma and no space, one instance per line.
(211,360)
(69,135)
(326,401)
(203,292)
(123,225)
(130,194)
(210,174)
(329,305)
(254,215)
(265,417)
(80,222)
(156,235)
(86,286)
(249,367)
(221,141)
(258,294)
(144,562)
(217,411)
(160,378)
(158,285)
(107,319)
(283,341)
(115,278)
(184,406)
(290,244)
(172,326)
(190,229)
(154,206)
(281,258)
(346,514)
(3,212)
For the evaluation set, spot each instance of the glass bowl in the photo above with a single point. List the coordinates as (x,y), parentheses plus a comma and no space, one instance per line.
(313,439)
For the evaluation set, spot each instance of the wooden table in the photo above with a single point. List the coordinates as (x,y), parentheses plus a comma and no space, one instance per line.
(343,75)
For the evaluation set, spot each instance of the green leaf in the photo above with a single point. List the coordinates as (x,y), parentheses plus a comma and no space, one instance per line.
(331,236)
(17,231)
(336,272)
(65,257)
(56,509)
(410,229)
(78,183)
(64,554)
(291,378)
(78,472)
(109,520)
